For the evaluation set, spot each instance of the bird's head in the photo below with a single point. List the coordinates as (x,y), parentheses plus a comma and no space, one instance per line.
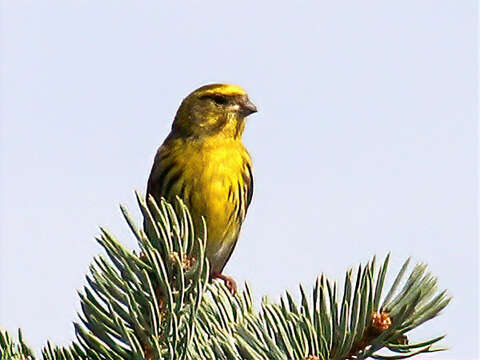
(216,109)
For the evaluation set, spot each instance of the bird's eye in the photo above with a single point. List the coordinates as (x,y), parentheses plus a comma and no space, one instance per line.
(219,100)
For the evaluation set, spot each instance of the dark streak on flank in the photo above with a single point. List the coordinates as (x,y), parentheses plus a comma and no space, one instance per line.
(240,201)
(172,180)
(155,182)
(250,184)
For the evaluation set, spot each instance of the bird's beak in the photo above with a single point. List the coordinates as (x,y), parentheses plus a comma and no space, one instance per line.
(248,108)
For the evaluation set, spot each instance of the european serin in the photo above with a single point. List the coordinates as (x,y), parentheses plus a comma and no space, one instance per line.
(204,162)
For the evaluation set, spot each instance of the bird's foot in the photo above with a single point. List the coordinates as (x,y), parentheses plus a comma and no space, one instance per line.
(227,280)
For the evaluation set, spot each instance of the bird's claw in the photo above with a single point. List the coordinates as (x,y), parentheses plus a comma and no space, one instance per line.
(227,280)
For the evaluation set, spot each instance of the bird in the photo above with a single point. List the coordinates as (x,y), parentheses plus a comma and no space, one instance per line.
(204,162)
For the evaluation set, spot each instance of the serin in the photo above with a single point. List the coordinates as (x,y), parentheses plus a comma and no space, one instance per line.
(204,162)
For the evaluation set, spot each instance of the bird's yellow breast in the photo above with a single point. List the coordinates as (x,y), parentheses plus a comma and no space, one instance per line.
(215,183)
(215,170)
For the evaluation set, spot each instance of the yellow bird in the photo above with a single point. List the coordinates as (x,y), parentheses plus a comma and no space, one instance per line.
(204,162)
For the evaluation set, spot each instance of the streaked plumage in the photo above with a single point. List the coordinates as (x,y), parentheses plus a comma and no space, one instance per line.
(204,162)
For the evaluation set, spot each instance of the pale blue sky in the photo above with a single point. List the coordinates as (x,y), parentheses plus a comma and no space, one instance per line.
(365,140)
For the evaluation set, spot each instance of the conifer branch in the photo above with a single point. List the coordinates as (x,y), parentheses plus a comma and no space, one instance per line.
(157,303)
(11,350)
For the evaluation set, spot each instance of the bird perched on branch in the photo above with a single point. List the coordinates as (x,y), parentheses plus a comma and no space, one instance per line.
(204,162)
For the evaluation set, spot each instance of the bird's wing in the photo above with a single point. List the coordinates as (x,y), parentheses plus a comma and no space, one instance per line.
(164,174)
(153,187)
